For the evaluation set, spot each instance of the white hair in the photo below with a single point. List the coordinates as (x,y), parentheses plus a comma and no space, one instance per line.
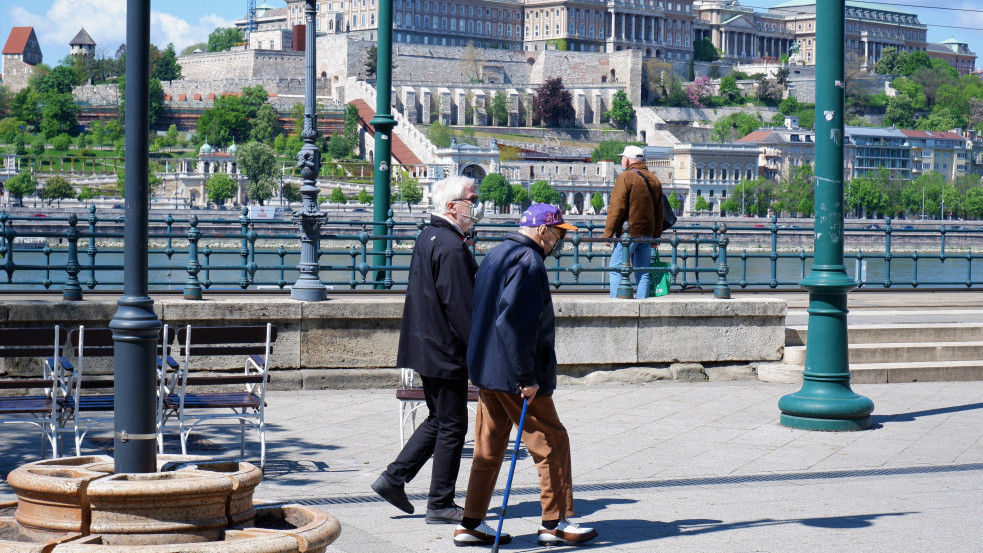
(447,190)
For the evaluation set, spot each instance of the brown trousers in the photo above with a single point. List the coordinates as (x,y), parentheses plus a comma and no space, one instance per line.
(546,440)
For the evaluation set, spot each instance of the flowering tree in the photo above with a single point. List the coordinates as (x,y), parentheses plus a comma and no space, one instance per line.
(698,91)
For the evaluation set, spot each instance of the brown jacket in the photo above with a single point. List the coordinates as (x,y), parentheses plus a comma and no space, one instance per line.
(631,201)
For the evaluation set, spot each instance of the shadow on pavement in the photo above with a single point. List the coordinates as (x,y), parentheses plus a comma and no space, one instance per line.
(909,417)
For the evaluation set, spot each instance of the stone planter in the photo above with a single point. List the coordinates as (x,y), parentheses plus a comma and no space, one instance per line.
(193,505)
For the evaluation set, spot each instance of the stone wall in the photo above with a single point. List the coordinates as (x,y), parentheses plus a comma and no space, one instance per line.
(283,91)
(16,72)
(242,64)
(352,340)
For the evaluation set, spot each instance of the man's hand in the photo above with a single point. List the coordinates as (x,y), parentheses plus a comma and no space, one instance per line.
(529,391)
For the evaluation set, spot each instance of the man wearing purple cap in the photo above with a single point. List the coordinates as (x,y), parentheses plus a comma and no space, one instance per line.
(511,358)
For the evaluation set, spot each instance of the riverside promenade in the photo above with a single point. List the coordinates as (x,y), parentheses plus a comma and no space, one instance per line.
(661,466)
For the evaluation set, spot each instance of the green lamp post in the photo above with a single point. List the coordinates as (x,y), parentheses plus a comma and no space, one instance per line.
(383,123)
(826,401)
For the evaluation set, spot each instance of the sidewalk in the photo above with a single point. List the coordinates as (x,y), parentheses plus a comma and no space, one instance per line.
(657,467)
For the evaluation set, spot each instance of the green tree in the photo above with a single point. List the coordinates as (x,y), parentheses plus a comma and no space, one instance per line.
(520,196)
(495,188)
(224,122)
(60,80)
(542,192)
(297,115)
(337,196)
(280,144)
(621,112)
(364,197)
(439,134)
(912,90)
(291,193)
(408,191)
(892,61)
(338,147)
(258,162)
(701,204)
(674,202)
(900,112)
(351,126)
(691,71)
(59,115)
(868,194)
(371,61)
(597,202)
(943,118)
(266,124)
(704,50)
(57,189)
(500,108)
(37,146)
(86,194)
(729,91)
(20,185)
(172,136)
(553,104)
(734,127)
(973,202)
(190,49)
(797,195)
(220,187)
(914,61)
(167,67)
(224,38)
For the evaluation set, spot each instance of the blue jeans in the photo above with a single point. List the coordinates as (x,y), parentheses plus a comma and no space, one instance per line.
(641,256)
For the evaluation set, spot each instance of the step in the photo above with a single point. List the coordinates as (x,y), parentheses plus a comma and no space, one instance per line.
(898,333)
(882,373)
(895,352)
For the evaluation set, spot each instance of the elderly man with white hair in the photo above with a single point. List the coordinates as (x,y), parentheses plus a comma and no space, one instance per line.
(433,341)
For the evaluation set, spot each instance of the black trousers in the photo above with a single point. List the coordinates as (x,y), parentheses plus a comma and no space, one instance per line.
(441,436)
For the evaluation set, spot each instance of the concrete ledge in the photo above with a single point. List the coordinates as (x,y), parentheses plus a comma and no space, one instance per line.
(351,340)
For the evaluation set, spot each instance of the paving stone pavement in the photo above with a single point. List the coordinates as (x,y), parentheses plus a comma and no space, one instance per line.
(657,467)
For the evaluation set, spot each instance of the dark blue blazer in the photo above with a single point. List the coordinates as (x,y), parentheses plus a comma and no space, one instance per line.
(512,329)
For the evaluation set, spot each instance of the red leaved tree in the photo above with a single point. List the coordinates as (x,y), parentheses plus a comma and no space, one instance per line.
(553,104)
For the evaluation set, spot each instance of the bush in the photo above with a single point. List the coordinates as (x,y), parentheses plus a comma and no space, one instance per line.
(61,142)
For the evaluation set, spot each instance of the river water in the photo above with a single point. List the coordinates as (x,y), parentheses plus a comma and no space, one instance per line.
(225,270)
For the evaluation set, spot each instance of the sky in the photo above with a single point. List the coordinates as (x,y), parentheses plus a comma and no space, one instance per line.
(186,22)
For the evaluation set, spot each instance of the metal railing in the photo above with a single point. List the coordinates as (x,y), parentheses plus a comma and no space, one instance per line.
(72,254)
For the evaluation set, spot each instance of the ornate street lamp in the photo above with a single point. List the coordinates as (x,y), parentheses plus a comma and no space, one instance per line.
(826,401)
(309,286)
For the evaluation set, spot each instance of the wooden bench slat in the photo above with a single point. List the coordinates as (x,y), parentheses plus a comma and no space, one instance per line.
(99,402)
(216,401)
(25,404)
(416,394)
(25,383)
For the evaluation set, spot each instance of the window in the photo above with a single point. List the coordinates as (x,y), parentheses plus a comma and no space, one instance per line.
(453,24)
(500,29)
(535,30)
(711,192)
(372,19)
(699,173)
(470,26)
(747,176)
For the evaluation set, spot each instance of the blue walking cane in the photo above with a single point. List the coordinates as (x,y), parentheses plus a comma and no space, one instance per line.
(508,483)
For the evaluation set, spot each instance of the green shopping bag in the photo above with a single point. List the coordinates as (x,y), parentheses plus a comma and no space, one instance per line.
(660,280)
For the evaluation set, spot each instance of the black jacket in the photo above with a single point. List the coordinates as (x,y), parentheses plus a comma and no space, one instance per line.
(512,331)
(433,336)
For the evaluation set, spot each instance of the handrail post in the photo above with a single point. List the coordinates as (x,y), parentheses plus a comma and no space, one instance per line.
(192,288)
(624,286)
(722,289)
(73,289)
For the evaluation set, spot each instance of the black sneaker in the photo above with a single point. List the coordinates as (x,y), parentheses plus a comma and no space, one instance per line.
(482,535)
(449,515)
(393,494)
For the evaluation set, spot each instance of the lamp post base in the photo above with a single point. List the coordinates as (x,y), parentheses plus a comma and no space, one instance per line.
(827,425)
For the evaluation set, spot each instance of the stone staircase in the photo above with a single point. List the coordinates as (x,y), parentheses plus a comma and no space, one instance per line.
(939,352)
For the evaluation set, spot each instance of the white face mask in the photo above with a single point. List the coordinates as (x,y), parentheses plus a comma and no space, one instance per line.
(557,248)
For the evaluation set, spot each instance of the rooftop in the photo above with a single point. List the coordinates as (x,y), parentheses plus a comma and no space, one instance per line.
(18,39)
(82,39)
